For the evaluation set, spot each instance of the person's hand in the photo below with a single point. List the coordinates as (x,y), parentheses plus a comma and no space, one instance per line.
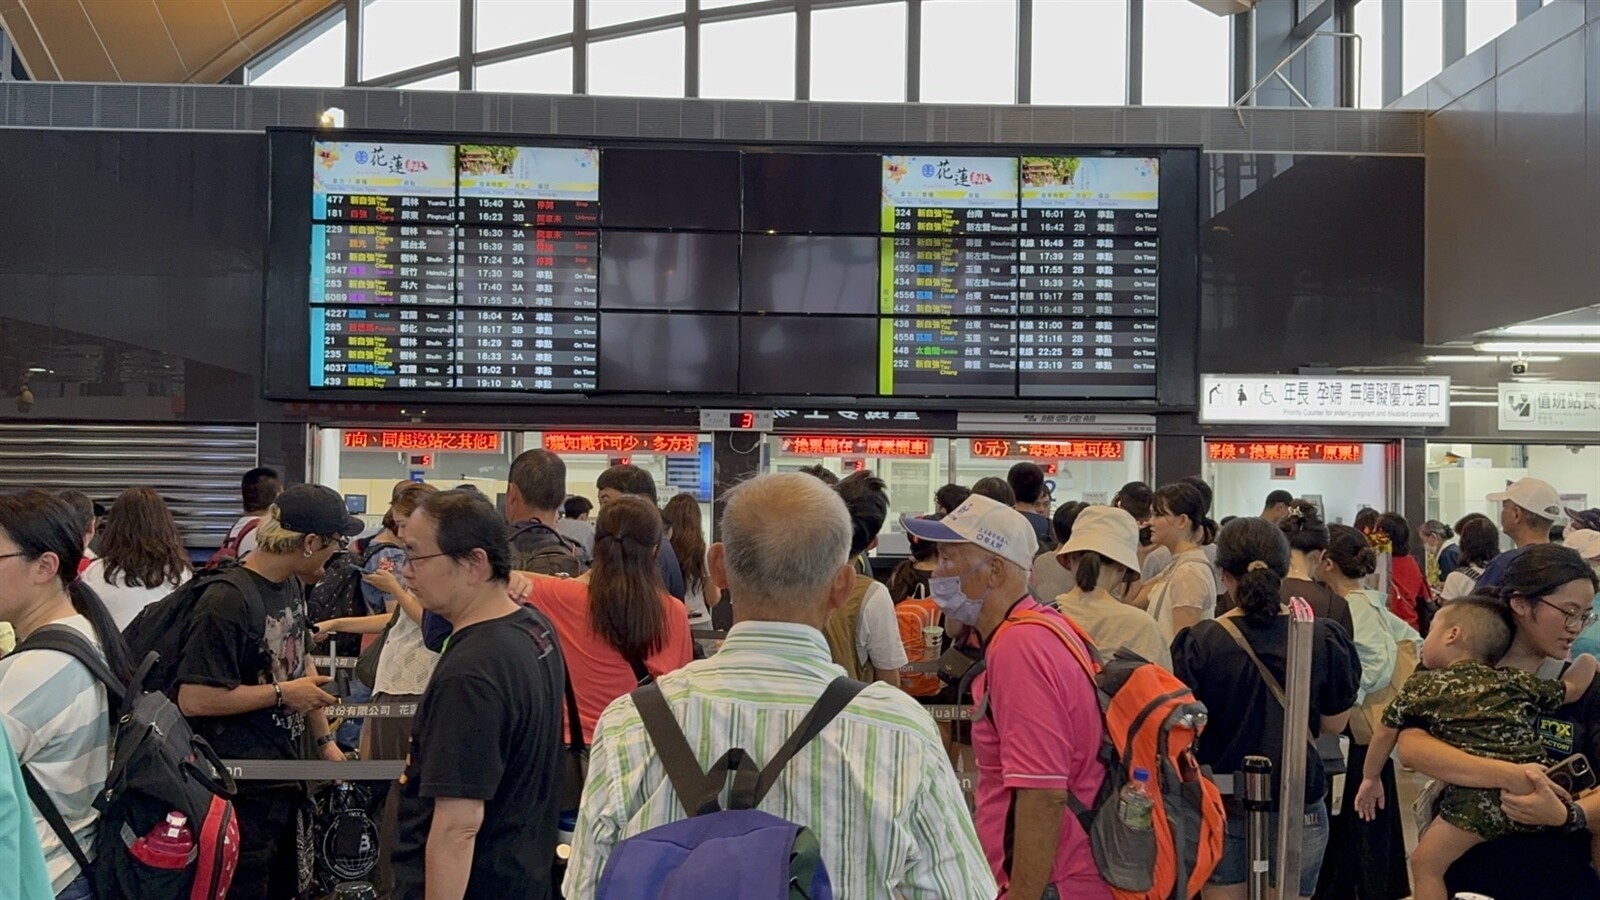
(325,630)
(1532,776)
(331,752)
(1542,806)
(306,694)
(1369,799)
(384,580)
(519,587)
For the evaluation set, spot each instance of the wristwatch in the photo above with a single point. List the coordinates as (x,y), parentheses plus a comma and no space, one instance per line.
(1577,819)
(324,741)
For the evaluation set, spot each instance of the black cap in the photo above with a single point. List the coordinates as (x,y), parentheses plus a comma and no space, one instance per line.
(315,509)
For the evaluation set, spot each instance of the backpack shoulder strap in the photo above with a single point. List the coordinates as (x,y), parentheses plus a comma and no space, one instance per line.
(834,699)
(1081,649)
(58,824)
(1273,685)
(683,770)
(574,720)
(253,604)
(63,639)
(641,675)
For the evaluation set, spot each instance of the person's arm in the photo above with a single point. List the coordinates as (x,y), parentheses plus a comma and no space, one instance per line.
(451,841)
(879,635)
(317,723)
(1141,598)
(1370,798)
(350,625)
(1335,724)
(301,695)
(890,677)
(1578,677)
(1546,806)
(946,859)
(211,680)
(602,813)
(394,590)
(1427,754)
(1036,840)
(1185,617)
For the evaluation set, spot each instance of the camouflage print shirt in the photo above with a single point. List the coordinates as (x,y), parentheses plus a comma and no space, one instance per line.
(1482,710)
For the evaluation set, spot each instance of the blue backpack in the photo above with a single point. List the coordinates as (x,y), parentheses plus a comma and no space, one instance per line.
(735,852)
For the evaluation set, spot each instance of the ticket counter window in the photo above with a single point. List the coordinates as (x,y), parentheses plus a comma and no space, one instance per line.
(1461,476)
(1089,470)
(364,464)
(912,467)
(1342,477)
(678,462)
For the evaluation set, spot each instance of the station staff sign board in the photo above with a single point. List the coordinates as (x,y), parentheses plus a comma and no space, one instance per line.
(1324,400)
(1550,406)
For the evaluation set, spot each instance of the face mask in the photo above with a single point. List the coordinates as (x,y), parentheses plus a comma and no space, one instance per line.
(949,597)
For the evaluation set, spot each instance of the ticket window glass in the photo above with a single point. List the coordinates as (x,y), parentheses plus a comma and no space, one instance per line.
(366,464)
(1342,477)
(1461,476)
(673,472)
(911,466)
(1088,470)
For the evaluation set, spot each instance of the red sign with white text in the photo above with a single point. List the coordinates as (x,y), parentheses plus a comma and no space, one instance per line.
(1011,448)
(453,441)
(1284,451)
(620,442)
(846,445)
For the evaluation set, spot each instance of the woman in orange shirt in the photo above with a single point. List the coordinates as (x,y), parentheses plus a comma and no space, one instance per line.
(618,623)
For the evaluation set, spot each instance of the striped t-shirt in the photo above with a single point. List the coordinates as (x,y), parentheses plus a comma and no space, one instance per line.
(54,713)
(875,786)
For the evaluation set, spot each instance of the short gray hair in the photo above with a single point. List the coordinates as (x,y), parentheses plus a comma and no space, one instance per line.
(785,537)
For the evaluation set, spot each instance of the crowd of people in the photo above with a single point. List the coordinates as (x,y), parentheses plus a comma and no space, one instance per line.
(560,703)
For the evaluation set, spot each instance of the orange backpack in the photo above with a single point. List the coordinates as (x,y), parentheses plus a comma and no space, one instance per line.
(913,614)
(1152,721)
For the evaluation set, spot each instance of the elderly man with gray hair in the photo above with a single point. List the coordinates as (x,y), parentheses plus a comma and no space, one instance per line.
(874,786)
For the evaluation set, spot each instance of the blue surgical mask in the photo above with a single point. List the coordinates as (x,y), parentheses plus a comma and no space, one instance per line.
(953,601)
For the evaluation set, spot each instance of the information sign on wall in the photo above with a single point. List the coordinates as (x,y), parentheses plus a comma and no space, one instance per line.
(1007,448)
(619,442)
(1283,451)
(1324,400)
(453,441)
(1550,406)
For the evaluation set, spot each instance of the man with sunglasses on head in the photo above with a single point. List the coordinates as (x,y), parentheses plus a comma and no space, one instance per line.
(246,684)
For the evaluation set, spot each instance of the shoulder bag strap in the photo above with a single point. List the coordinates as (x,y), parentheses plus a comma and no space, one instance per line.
(64,639)
(834,699)
(47,808)
(1273,684)
(641,675)
(683,770)
(574,720)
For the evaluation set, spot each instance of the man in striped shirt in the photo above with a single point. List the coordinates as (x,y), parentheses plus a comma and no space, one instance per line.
(875,786)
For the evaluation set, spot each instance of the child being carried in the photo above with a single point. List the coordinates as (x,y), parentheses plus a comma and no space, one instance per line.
(1463,700)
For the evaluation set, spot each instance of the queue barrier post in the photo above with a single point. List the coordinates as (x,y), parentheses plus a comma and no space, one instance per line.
(1296,716)
(1257,776)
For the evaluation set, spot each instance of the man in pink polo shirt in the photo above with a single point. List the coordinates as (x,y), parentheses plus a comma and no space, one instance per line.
(1036,727)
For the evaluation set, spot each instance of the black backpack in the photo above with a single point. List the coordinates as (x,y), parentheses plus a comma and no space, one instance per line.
(338,594)
(536,547)
(158,766)
(163,627)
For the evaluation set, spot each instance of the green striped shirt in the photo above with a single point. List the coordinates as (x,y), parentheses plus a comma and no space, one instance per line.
(875,786)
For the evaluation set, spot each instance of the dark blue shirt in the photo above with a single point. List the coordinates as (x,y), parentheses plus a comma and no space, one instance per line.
(1495,572)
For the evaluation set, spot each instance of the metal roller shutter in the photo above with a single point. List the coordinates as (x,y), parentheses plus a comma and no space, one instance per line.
(195,467)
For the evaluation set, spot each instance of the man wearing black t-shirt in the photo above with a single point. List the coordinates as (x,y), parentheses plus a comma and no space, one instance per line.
(245,683)
(478,796)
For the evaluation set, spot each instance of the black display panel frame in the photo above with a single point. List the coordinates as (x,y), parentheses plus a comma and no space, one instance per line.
(286,331)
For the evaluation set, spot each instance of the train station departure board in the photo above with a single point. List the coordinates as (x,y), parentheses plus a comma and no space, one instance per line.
(456,268)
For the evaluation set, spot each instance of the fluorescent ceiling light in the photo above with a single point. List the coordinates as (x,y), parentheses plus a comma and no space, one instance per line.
(1466,358)
(1538,346)
(1557,331)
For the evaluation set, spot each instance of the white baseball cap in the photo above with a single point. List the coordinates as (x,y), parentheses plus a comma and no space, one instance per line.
(987,523)
(1586,542)
(1533,495)
(1108,531)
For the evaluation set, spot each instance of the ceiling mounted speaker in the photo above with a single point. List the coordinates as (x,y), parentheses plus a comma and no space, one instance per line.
(1225,7)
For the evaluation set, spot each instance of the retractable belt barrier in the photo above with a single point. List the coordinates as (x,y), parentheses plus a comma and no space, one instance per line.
(314,769)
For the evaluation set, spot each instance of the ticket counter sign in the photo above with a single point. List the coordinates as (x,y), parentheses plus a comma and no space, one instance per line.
(618,443)
(1284,451)
(1324,400)
(1014,448)
(848,445)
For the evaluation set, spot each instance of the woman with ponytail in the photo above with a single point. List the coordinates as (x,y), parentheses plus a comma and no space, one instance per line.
(1218,660)
(622,624)
(1185,590)
(1366,858)
(55,713)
